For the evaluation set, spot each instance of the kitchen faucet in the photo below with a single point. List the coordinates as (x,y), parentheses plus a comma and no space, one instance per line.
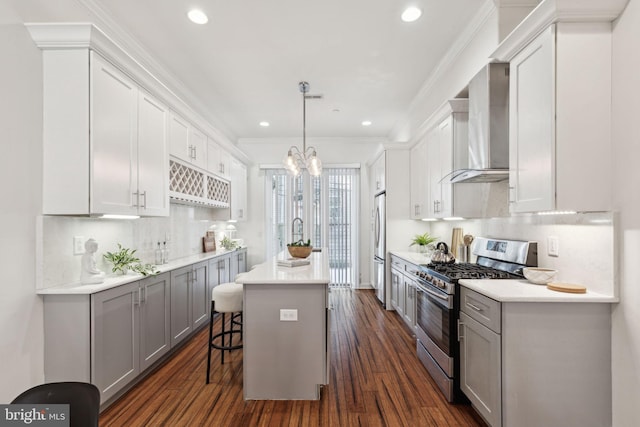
(300,230)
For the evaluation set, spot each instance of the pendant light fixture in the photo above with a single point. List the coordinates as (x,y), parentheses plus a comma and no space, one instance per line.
(297,159)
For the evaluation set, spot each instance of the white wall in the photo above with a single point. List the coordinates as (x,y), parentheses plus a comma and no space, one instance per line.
(21,325)
(626,150)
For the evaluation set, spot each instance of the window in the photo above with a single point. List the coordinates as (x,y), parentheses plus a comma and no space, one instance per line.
(323,209)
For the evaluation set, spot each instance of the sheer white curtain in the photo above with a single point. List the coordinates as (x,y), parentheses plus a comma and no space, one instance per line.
(329,209)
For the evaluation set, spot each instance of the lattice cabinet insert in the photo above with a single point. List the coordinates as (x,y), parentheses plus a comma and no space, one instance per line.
(189,185)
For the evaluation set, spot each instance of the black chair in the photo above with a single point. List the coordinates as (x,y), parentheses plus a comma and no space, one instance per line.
(83,400)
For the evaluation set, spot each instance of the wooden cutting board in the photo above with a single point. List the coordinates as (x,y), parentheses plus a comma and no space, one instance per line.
(567,287)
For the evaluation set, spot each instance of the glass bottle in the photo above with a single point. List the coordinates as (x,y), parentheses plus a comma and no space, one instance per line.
(165,253)
(159,259)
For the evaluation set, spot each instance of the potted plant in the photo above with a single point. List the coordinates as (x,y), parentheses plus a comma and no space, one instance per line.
(300,249)
(124,259)
(228,244)
(424,241)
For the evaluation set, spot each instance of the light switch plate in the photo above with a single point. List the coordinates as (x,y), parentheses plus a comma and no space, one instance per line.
(78,245)
(553,246)
(288,315)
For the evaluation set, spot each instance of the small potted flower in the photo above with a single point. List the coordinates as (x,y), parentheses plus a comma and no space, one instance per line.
(425,243)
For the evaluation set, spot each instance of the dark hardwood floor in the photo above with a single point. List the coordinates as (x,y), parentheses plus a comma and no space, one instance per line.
(376,380)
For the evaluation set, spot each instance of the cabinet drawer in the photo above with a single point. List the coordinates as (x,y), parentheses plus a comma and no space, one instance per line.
(481,308)
(397,263)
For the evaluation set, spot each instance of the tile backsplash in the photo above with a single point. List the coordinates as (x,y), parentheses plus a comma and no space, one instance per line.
(182,230)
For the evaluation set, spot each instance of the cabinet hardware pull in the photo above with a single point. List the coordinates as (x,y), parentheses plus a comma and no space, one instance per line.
(475,307)
(144,295)
(144,194)
(137,196)
(460,335)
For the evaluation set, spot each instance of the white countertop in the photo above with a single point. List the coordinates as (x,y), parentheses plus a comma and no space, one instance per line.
(412,257)
(114,280)
(271,273)
(506,290)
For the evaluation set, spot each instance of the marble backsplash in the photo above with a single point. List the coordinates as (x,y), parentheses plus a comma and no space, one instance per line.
(182,230)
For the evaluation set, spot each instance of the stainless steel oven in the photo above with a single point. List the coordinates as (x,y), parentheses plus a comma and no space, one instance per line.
(438,307)
(436,344)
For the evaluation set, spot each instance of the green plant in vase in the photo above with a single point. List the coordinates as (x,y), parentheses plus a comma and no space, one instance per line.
(228,244)
(424,241)
(124,259)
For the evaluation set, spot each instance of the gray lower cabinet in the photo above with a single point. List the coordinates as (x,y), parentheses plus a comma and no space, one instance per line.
(110,337)
(480,364)
(403,290)
(410,302)
(238,261)
(130,331)
(190,300)
(201,297)
(530,364)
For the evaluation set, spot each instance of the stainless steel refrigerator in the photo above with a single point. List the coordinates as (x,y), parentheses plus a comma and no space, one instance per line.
(379,248)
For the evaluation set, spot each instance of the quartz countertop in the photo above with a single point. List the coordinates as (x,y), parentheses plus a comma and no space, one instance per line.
(269,272)
(507,290)
(412,257)
(114,280)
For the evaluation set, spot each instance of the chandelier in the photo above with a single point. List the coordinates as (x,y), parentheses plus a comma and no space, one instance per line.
(297,159)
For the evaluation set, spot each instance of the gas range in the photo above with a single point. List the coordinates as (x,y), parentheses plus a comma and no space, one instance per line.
(445,276)
(437,304)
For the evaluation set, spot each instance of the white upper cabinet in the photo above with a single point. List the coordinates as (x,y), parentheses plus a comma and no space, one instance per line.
(153,159)
(419,180)
(560,107)
(219,160)
(113,139)
(187,142)
(104,140)
(198,148)
(378,174)
(444,149)
(179,137)
(238,190)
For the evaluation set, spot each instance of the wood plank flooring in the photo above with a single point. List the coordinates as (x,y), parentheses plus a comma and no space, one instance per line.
(376,380)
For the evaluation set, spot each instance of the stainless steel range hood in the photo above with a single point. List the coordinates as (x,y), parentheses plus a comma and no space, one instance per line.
(488,126)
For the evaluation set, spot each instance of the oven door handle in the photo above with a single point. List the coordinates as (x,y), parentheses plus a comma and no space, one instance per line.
(446,302)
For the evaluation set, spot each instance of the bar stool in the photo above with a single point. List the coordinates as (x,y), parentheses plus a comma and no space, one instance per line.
(225,298)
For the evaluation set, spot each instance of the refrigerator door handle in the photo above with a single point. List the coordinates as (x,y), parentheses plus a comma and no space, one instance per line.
(377,227)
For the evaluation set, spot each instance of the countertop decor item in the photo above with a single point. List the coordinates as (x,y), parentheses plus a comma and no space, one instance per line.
(456,242)
(300,249)
(424,242)
(209,241)
(228,244)
(567,287)
(124,259)
(90,273)
(539,276)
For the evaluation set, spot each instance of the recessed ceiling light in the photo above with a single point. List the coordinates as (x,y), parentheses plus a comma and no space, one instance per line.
(197,16)
(264,124)
(411,14)
(366,123)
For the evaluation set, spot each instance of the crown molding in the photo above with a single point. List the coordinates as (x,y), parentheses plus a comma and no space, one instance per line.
(551,11)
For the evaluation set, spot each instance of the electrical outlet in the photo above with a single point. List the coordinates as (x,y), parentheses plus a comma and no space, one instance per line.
(553,246)
(288,315)
(78,245)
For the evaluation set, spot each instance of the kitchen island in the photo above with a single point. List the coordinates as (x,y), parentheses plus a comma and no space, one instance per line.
(286,325)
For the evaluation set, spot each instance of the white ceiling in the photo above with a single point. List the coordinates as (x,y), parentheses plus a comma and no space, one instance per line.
(245,64)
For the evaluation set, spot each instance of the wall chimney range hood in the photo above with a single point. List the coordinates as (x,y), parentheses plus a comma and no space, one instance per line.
(488,127)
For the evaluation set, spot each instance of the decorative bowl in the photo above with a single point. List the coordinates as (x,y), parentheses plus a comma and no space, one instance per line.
(299,251)
(539,276)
